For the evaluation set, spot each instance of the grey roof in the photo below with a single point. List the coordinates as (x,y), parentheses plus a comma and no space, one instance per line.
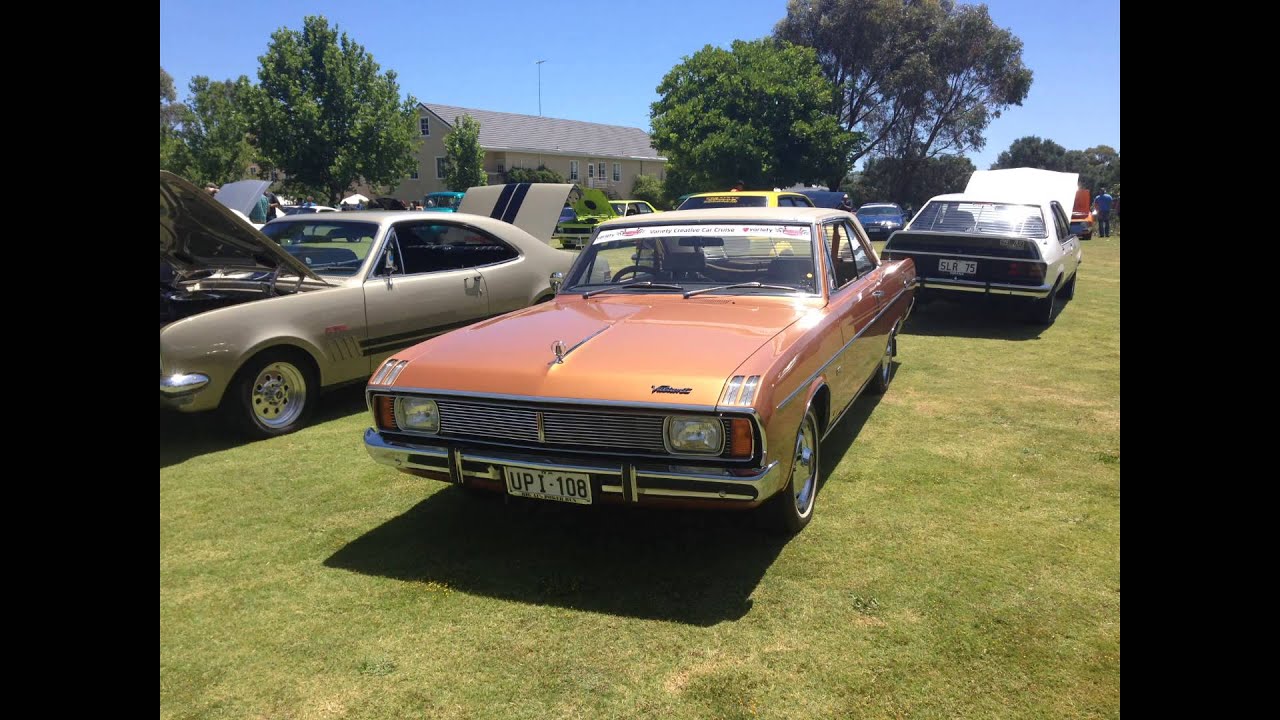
(509,131)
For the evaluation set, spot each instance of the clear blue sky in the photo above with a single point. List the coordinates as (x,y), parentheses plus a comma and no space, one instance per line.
(605,59)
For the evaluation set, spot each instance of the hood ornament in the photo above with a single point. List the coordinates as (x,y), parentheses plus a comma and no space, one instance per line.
(560,351)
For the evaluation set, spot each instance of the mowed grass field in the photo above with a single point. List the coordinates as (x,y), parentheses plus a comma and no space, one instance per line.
(964,561)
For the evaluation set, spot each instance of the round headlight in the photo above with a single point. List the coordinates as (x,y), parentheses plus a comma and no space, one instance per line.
(695,435)
(419,414)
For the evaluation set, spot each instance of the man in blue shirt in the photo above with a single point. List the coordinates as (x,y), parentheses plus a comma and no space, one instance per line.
(1102,204)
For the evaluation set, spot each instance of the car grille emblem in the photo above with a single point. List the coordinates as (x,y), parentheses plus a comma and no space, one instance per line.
(668,389)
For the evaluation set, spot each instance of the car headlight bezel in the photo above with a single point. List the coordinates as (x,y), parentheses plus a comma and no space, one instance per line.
(409,407)
(676,427)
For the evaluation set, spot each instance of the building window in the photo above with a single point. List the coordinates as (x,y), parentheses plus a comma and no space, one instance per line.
(617,172)
(591,170)
(600,171)
(440,165)
(414,175)
(573,169)
(424,126)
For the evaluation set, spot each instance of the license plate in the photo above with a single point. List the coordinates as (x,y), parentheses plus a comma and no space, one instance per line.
(958,267)
(549,485)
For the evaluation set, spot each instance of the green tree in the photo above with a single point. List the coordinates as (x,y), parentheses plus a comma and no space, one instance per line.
(328,117)
(542,175)
(918,78)
(759,112)
(1098,166)
(171,116)
(880,178)
(216,133)
(649,189)
(1033,152)
(464,158)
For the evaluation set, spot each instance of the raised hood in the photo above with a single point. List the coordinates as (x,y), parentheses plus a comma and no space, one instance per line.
(532,207)
(1011,184)
(615,349)
(199,233)
(589,202)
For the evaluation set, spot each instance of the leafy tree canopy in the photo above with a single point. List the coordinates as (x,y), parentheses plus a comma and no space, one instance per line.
(327,116)
(464,158)
(216,133)
(759,112)
(1033,152)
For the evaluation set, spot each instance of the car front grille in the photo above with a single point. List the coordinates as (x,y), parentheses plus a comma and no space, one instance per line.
(559,428)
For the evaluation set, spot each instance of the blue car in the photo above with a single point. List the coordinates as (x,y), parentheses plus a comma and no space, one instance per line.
(881,220)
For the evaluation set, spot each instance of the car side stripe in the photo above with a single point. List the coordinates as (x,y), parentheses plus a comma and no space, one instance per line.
(514,208)
(372,346)
(501,205)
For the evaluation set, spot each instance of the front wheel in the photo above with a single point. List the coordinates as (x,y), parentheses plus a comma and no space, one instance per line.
(273,394)
(792,507)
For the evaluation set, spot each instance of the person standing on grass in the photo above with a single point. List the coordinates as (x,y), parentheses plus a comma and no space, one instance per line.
(1102,204)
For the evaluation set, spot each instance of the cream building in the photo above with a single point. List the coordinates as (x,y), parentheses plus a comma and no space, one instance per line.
(608,157)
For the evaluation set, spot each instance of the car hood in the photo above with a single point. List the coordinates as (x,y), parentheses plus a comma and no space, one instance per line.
(532,207)
(592,203)
(200,233)
(242,195)
(616,348)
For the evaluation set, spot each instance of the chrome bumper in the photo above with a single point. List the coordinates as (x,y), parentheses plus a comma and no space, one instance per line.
(976,286)
(630,482)
(178,390)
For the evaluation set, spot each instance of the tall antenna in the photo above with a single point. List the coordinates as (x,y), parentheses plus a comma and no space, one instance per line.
(539,64)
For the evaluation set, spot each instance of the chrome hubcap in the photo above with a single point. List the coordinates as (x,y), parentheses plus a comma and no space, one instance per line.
(278,396)
(805,472)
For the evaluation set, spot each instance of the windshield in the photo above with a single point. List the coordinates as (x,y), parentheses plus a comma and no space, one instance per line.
(879,210)
(620,208)
(981,219)
(699,256)
(729,200)
(326,246)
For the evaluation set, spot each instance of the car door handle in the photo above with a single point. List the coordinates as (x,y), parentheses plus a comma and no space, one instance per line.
(478,286)
(877,294)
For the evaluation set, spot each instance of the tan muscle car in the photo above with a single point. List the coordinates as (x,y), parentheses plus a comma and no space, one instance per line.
(691,358)
(257,323)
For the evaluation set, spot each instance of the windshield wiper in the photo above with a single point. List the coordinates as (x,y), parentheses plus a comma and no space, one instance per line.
(752,284)
(642,284)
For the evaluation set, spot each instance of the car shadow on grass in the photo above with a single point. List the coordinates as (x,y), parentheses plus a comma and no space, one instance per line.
(693,567)
(184,436)
(843,434)
(977,317)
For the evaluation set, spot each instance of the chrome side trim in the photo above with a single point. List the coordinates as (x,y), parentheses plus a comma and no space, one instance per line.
(671,492)
(182,383)
(787,400)
(713,477)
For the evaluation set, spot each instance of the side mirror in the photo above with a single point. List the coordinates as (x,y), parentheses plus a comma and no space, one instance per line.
(557,281)
(391,262)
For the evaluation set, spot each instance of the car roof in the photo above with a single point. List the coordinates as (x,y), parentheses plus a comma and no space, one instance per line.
(750,193)
(1011,199)
(751,214)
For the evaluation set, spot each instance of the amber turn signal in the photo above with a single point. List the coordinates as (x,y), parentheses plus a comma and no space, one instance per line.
(384,412)
(740,439)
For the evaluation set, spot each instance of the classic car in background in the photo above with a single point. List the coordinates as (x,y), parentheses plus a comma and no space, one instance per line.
(258,322)
(590,208)
(702,367)
(881,219)
(1083,216)
(442,201)
(745,199)
(1006,236)
(828,198)
(622,208)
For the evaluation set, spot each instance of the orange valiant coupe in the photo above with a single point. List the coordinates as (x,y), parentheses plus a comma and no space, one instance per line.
(689,358)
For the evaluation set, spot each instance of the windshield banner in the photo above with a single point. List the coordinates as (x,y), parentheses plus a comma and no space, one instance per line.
(652,231)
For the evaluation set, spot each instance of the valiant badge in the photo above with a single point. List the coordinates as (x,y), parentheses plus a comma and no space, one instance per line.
(668,389)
